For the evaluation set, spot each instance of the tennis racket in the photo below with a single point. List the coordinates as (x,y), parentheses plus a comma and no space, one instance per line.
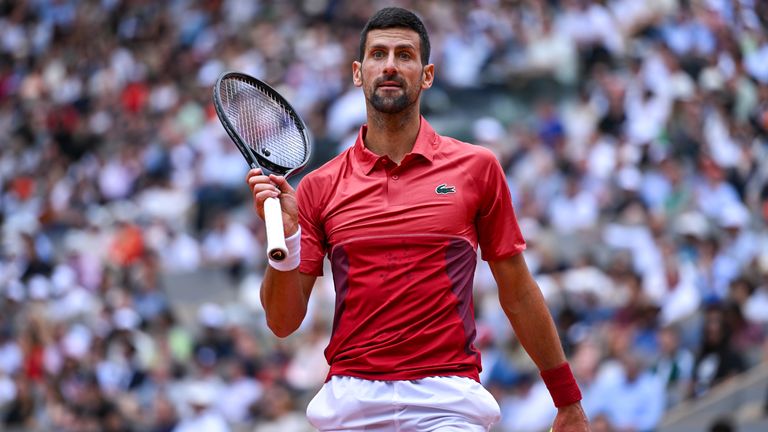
(270,135)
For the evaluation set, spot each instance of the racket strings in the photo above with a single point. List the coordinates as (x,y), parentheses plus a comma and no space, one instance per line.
(264,123)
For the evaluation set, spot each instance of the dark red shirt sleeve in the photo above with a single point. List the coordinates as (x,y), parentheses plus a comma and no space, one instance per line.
(498,232)
(313,241)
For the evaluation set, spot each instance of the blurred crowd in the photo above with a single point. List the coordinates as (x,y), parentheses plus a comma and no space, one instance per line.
(640,184)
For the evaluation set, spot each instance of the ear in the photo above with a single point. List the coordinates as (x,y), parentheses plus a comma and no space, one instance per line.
(357,74)
(427,76)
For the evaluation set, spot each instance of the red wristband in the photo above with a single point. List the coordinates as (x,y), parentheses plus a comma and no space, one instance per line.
(561,385)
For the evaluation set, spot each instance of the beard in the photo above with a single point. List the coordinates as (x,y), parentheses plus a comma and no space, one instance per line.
(392,104)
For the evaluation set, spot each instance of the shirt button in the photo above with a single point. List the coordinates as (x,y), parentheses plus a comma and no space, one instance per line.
(395,177)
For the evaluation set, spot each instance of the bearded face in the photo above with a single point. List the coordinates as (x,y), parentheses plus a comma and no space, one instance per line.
(391,73)
(391,94)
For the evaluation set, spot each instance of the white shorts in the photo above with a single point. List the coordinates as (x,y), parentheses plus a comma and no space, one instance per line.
(434,404)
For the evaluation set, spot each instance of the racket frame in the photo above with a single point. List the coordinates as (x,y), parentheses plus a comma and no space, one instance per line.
(273,218)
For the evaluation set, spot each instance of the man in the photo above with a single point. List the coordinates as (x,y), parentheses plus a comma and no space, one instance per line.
(200,397)
(630,397)
(400,216)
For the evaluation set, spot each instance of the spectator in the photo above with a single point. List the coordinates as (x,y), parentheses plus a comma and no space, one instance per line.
(201,397)
(674,365)
(631,399)
(716,359)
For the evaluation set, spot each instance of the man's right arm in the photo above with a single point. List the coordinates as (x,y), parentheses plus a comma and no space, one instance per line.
(284,294)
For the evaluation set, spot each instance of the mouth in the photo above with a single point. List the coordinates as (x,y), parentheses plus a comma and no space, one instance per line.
(390,85)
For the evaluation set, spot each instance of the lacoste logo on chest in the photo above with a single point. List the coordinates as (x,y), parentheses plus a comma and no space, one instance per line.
(444,189)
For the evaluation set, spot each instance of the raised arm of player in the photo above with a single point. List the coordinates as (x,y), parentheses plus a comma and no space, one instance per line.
(527,311)
(284,294)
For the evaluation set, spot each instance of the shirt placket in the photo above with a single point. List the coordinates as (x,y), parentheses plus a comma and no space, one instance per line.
(396,185)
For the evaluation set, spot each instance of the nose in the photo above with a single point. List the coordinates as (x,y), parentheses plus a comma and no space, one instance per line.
(390,67)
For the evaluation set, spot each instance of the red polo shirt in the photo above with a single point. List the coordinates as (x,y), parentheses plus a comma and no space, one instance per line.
(402,242)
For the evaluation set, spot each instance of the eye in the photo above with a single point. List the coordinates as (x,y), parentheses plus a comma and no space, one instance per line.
(404,55)
(378,54)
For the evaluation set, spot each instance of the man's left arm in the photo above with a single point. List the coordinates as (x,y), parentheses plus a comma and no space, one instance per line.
(524,305)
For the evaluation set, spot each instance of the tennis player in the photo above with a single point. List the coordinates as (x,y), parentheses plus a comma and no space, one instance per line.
(400,216)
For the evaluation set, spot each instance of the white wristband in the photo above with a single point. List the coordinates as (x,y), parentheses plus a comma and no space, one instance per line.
(292,261)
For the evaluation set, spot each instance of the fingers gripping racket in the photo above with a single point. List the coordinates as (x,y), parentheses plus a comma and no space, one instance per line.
(270,135)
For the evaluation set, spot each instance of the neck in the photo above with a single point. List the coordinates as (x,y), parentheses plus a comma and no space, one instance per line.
(392,135)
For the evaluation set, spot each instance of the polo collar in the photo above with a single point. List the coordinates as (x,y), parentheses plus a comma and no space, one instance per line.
(426,142)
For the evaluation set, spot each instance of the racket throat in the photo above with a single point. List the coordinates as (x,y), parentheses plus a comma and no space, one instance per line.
(268,167)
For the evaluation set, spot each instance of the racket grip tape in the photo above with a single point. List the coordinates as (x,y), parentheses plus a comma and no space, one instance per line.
(273,219)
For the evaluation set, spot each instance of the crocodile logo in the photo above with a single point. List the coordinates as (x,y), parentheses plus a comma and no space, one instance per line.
(444,189)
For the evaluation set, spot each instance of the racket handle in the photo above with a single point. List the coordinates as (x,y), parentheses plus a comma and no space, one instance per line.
(273,218)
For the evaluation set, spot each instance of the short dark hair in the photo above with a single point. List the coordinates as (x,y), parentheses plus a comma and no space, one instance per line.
(395,17)
(722,424)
